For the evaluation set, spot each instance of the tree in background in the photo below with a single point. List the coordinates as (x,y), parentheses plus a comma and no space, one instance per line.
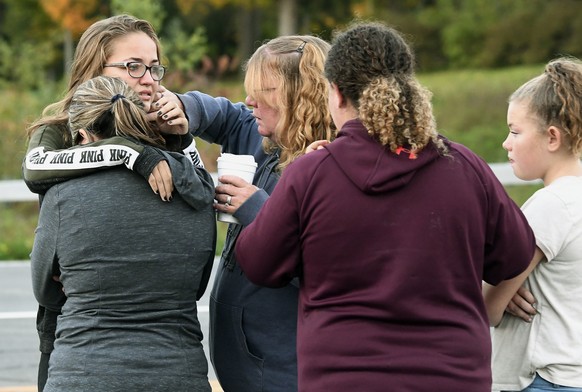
(151,10)
(233,28)
(73,17)
(25,32)
(207,39)
(500,33)
(185,52)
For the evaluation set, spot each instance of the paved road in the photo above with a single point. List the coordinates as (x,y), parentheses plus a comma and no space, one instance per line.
(18,339)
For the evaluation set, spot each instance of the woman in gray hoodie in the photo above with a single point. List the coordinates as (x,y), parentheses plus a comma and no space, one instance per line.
(131,265)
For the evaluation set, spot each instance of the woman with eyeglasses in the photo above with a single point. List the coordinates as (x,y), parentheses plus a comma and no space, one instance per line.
(126,48)
(252,329)
(129,320)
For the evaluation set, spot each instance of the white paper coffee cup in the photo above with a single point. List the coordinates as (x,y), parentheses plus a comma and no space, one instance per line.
(243,166)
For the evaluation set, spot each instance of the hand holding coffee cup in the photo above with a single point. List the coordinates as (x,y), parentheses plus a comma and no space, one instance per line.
(237,172)
(231,193)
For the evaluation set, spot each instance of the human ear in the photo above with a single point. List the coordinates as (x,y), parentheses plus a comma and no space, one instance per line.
(84,137)
(555,138)
(339,98)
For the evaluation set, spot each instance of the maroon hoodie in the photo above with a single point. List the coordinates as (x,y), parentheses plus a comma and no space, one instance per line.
(391,250)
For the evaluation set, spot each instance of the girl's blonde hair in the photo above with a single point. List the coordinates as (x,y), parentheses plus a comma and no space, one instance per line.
(295,65)
(94,48)
(555,98)
(106,107)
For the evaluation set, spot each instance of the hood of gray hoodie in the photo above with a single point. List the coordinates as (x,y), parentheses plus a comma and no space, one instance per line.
(372,167)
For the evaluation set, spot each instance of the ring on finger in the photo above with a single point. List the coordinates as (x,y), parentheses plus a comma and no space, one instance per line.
(228,200)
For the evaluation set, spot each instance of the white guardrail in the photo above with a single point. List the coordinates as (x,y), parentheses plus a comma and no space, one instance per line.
(16,190)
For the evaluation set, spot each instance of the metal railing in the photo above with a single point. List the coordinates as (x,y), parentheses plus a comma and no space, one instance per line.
(16,190)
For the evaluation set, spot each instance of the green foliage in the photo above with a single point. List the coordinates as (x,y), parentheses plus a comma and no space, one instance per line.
(184,51)
(22,65)
(520,193)
(24,20)
(17,229)
(464,28)
(484,33)
(19,109)
(151,10)
(470,106)
(446,34)
(480,33)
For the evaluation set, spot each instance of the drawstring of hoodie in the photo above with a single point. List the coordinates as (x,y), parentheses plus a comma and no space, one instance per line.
(411,153)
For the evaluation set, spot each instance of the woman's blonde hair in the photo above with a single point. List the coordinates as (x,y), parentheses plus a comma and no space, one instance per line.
(106,106)
(295,65)
(93,50)
(555,98)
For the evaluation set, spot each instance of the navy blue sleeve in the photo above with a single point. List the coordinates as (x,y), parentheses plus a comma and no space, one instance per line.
(220,121)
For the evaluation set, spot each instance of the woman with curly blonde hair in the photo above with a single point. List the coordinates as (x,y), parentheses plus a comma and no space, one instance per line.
(253,329)
(296,88)
(390,230)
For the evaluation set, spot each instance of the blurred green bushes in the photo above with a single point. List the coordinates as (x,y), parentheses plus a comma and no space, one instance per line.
(471,106)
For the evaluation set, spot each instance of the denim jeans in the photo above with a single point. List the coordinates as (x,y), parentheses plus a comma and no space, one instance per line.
(541,385)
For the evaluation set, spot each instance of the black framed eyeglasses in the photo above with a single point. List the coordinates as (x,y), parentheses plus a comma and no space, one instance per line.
(137,70)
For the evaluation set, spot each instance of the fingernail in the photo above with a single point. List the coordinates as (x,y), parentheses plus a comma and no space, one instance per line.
(170,122)
(160,113)
(165,116)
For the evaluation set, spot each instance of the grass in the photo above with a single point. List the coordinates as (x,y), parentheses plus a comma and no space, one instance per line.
(520,193)
(17,224)
(470,108)
(18,110)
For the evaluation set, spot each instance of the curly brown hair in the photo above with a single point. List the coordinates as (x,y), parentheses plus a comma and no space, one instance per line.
(555,98)
(373,67)
(296,64)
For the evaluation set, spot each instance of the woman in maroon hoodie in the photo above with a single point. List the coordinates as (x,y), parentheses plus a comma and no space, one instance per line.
(391,229)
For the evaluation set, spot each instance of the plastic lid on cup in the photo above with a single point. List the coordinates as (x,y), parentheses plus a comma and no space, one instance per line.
(241,159)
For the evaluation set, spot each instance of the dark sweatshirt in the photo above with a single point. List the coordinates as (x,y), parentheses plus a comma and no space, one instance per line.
(391,253)
(131,267)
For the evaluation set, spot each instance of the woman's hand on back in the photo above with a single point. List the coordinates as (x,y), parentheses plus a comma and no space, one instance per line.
(160,180)
(316,145)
